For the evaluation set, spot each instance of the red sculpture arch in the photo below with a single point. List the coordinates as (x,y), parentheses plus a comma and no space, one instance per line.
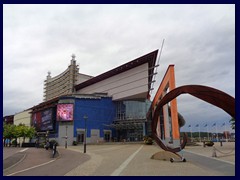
(205,93)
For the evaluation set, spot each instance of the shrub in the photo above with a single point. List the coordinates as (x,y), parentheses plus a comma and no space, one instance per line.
(41,145)
(28,144)
(74,143)
(210,143)
(14,143)
(148,140)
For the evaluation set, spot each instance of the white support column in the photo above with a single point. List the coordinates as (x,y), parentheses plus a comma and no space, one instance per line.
(166,123)
(144,129)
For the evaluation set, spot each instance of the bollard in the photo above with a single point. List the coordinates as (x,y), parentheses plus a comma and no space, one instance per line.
(221,144)
(204,145)
(214,154)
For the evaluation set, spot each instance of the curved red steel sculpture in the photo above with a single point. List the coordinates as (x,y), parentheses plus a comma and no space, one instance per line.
(205,93)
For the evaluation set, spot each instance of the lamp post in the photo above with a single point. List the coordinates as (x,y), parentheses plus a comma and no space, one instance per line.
(85,117)
(66,138)
(47,132)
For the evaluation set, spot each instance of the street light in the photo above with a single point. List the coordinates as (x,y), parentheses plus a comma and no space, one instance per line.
(66,138)
(85,117)
(47,133)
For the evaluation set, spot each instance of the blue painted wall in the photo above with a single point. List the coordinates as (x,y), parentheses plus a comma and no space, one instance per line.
(99,111)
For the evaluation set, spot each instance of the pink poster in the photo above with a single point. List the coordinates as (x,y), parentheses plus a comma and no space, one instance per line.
(64,112)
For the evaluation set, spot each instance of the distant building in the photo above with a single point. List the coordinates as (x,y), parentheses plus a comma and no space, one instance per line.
(8,119)
(115,103)
(23,117)
(63,83)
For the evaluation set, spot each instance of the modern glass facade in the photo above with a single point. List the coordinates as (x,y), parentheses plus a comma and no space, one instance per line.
(130,120)
(130,110)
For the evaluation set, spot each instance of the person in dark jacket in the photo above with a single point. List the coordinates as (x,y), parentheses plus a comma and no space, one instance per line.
(47,145)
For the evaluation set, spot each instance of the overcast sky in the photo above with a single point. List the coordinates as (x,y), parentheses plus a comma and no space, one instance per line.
(199,40)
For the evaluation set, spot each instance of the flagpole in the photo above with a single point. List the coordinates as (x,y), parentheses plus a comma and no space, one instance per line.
(191,131)
(216,132)
(207,133)
(191,134)
(199,133)
(226,132)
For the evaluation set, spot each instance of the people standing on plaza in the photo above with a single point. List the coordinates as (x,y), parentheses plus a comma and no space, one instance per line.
(37,143)
(47,145)
(7,142)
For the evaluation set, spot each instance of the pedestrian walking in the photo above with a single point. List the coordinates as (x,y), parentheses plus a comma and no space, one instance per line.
(47,145)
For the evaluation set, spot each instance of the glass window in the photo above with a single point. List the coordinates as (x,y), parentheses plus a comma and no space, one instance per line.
(127,110)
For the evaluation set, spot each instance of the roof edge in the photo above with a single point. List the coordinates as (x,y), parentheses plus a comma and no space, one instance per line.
(147,58)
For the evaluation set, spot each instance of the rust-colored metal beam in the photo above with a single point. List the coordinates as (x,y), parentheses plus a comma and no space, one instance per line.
(205,93)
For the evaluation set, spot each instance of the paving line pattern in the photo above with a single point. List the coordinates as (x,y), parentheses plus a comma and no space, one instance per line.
(118,171)
(31,168)
(232,163)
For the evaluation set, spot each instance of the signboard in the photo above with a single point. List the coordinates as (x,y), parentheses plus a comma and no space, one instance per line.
(43,120)
(64,112)
(47,123)
(37,120)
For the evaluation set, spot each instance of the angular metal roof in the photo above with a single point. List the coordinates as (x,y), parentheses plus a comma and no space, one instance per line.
(149,58)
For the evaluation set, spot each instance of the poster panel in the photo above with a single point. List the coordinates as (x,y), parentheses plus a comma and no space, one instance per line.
(64,112)
(47,123)
(37,120)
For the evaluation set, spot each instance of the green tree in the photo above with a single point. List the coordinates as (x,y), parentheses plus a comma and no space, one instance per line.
(31,132)
(23,131)
(232,121)
(8,130)
(11,131)
(16,132)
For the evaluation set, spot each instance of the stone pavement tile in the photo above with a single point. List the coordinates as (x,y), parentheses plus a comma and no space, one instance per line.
(87,168)
(103,162)
(34,156)
(225,152)
(13,160)
(142,165)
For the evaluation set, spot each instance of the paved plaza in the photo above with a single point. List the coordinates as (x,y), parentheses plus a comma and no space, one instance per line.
(122,160)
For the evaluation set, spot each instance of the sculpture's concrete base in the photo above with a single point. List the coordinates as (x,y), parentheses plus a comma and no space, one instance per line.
(165,155)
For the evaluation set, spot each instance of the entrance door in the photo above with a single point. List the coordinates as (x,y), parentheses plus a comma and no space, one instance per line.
(107,137)
(80,138)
